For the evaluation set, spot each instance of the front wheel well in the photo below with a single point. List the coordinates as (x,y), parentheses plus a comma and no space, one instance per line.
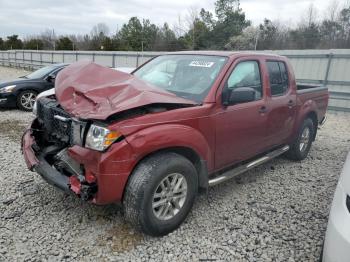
(199,163)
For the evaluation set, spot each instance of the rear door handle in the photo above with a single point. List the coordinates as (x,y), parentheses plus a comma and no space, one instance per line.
(263,109)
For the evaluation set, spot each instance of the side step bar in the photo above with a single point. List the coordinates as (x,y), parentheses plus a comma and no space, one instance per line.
(243,168)
(324,119)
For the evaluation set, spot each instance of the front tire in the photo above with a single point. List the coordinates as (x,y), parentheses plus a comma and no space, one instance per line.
(26,100)
(160,193)
(300,147)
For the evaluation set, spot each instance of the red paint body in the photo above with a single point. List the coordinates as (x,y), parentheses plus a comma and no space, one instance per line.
(221,136)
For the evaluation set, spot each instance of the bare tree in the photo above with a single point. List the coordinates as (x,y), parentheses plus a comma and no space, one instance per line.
(248,40)
(179,27)
(49,38)
(191,17)
(311,15)
(100,28)
(332,11)
(98,34)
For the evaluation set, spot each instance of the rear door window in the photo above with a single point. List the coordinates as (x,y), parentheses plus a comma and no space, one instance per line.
(278,76)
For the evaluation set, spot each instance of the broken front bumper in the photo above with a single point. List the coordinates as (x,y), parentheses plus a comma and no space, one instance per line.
(105,174)
(38,164)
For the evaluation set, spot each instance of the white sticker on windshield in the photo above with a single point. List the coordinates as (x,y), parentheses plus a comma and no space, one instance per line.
(201,64)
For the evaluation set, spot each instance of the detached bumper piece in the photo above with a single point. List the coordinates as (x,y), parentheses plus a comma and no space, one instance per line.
(52,176)
(60,171)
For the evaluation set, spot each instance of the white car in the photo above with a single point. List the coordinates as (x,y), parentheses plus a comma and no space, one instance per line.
(337,240)
(51,91)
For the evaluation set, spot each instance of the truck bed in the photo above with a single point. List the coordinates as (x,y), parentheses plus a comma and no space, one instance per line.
(317,94)
(307,88)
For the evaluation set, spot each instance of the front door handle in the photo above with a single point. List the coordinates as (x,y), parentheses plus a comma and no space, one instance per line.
(263,109)
(290,103)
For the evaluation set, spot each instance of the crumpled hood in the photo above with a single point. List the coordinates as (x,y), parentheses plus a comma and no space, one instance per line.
(90,91)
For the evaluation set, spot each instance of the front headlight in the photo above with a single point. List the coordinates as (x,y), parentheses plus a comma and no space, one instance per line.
(7,89)
(100,138)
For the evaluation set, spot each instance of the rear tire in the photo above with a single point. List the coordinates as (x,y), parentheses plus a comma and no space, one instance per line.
(300,147)
(160,193)
(26,100)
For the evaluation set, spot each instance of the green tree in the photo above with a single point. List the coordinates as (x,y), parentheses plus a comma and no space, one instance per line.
(230,22)
(34,44)
(64,43)
(329,31)
(199,36)
(130,35)
(2,44)
(167,39)
(305,37)
(207,18)
(267,35)
(107,44)
(150,35)
(13,42)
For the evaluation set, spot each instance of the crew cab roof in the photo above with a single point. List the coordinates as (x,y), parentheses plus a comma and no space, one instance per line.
(225,53)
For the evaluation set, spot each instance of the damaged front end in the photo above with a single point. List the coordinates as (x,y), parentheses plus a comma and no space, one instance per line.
(45,147)
(75,144)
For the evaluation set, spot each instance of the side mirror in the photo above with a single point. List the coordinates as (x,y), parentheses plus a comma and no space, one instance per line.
(51,78)
(239,95)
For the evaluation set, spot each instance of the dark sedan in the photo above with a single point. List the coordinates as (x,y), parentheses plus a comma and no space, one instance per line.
(22,92)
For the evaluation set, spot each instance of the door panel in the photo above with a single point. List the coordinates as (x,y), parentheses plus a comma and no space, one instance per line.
(240,133)
(280,119)
(241,128)
(282,103)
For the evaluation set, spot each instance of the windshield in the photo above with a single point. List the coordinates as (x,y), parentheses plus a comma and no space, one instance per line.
(187,76)
(41,72)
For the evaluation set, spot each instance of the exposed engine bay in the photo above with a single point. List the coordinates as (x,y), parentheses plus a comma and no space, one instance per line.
(55,131)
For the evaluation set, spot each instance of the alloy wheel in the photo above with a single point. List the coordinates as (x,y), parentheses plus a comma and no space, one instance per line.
(169,196)
(28,100)
(304,140)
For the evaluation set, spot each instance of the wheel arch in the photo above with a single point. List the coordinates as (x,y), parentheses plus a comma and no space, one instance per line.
(23,90)
(28,87)
(187,152)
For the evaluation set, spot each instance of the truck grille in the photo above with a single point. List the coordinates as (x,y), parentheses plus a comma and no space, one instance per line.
(55,130)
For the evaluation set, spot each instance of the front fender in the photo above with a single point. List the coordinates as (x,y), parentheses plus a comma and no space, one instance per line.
(160,137)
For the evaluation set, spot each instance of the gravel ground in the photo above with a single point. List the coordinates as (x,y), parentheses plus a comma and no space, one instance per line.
(7,73)
(276,212)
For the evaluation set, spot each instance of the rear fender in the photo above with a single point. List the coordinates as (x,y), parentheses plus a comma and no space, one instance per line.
(308,109)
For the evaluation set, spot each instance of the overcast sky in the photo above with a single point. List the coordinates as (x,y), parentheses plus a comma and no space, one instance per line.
(28,17)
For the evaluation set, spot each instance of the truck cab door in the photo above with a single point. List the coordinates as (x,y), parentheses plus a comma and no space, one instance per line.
(241,127)
(281,104)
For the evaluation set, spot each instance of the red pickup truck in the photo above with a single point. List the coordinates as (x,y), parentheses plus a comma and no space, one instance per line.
(179,123)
